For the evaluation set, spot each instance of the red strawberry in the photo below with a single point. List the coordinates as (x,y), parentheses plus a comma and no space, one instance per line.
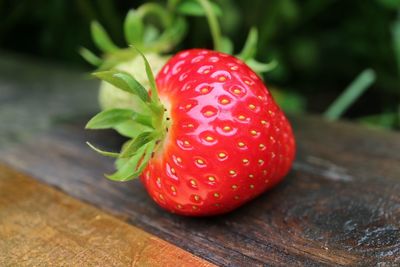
(226,140)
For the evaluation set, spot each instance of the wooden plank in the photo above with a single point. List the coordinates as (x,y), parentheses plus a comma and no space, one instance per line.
(40,226)
(340,205)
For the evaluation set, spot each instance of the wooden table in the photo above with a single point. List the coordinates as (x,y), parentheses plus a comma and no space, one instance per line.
(340,205)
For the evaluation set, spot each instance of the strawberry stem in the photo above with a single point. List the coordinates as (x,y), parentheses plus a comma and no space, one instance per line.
(213,23)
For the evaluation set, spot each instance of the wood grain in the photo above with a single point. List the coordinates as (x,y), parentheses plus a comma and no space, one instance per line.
(340,205)
(40,226)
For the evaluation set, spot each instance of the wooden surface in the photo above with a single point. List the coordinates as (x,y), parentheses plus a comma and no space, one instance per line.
(340,205)
(40,226)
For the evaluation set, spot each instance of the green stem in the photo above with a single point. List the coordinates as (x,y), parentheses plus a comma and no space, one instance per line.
(155,9)
(350,94)
(213,23)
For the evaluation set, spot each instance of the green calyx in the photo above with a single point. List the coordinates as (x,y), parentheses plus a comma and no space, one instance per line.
(153,28)
(170,30)
(146,128)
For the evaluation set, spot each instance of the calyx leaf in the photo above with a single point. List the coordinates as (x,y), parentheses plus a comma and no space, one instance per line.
(132,146)
(150,77)
(135,165)
(128,169)
(101,38)
(144,130)
(133,28)
(109,118)
(90,57)
(124,81)
(102,152)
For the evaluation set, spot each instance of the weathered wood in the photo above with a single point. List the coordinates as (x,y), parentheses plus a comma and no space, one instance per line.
(40,226)
(340,205)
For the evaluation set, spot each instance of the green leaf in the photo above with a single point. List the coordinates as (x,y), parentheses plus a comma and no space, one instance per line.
(226,45)
(250,46)
(113,117)
(364,80)
(147,155)
(90,57)
(134,85)
(150,77)
(109,118)
(193,8)
(128,170)
(130,129)
(132,146)
(124,81)
(133,28)
(102,152)
(120,162)
(101,38)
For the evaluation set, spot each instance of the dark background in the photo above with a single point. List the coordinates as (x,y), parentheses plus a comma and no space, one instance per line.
(321,46)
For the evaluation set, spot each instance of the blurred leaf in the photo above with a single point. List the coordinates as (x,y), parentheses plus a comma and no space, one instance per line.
(393,4)
(90,57)
(151,33)
(350,94)
(193,8)
(133,28)
(101,38)
(290,102)
(289,9)
(386,120)
(226,45)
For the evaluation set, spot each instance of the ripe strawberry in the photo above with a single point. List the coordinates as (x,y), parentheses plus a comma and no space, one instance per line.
(222,140)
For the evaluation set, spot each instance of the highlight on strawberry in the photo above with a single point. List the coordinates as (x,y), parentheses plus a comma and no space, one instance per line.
(206,139)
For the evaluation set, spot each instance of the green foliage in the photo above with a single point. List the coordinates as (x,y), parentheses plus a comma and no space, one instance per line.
(101,38)
(136,152)
(193,8)
(318,54)
(109,118)
(124,81)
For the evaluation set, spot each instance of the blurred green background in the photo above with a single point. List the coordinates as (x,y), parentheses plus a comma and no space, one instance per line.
(321,45)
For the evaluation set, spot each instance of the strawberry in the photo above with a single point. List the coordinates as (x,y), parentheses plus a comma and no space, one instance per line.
(216,138)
